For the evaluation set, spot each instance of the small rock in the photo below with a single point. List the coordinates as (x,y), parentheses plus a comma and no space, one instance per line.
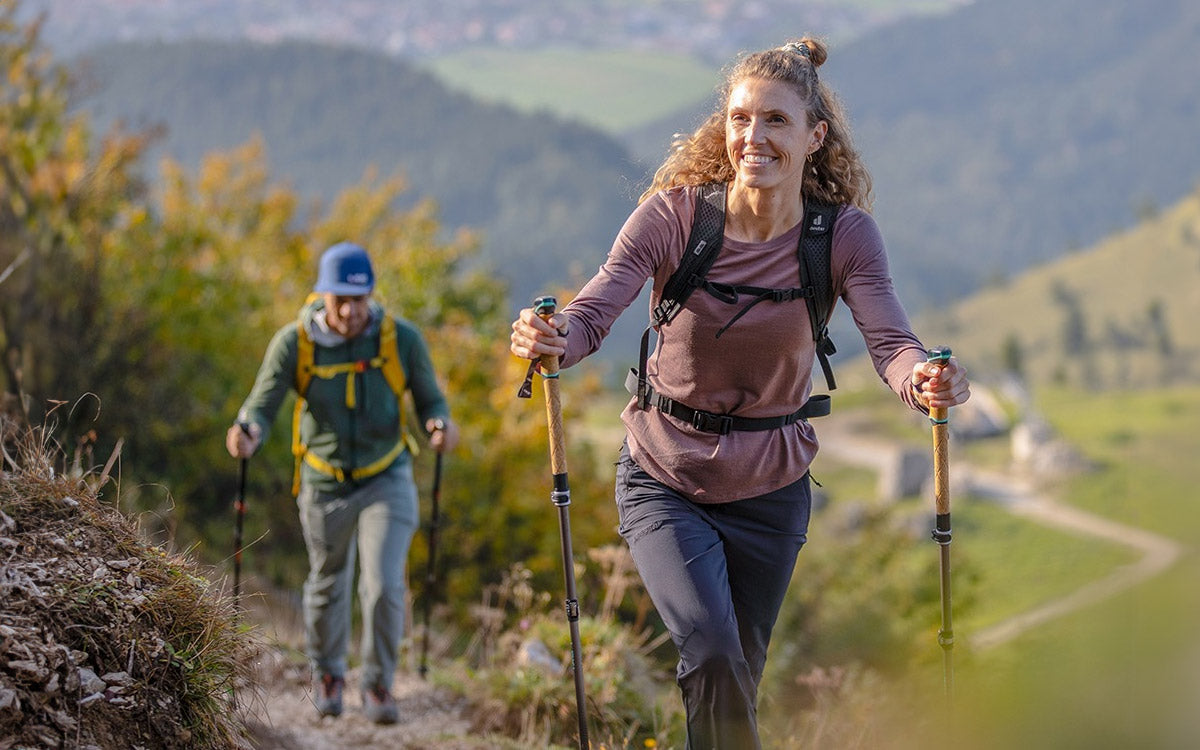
(33,671)
(89,683)
(534,653)
(9,700)
(91,698)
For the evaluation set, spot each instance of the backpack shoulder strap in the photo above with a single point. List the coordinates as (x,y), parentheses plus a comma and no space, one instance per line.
(389,353)
(393,373)
(815,248)
(304,348)
(704,243)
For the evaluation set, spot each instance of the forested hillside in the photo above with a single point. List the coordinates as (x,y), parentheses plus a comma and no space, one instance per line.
(1011,132)
(546,195)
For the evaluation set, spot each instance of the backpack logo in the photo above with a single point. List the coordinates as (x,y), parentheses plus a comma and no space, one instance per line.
(817,225)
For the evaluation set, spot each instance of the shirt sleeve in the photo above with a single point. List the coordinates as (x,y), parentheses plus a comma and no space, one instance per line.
(641,250)
(276,375)
(428,398)
(860,267)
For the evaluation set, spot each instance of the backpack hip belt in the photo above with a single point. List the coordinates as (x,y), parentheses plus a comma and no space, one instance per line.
(361,472)
(723,424)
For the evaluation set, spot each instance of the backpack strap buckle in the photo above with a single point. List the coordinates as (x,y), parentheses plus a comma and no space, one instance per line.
(721,424)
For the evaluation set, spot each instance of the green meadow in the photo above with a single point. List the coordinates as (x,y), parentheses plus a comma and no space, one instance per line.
(614,90)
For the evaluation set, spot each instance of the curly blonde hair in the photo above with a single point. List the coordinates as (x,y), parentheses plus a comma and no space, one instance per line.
(835,173)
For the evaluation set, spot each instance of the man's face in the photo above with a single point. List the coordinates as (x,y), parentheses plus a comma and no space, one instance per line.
(347,316)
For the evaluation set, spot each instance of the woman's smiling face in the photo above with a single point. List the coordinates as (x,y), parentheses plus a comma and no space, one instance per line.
(767,135)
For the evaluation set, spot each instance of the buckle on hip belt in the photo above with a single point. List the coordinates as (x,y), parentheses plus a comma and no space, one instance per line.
(705,421)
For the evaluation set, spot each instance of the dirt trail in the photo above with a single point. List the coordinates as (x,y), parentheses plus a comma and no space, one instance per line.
(1158,553)
(285,719)
(281,714)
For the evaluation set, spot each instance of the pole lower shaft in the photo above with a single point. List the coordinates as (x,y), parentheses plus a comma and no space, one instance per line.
(561,497)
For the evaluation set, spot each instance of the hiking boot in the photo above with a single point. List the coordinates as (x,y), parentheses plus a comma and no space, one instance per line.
(327,694)
(379,705)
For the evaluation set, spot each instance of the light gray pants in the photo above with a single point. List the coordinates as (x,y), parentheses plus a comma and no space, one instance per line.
(381,516)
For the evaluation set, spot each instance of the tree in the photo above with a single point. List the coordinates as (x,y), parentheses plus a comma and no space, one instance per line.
(60,197)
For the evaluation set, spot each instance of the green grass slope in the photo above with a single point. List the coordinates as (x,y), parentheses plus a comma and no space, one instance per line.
(1120,314)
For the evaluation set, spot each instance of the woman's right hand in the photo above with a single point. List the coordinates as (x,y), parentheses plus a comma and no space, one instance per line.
(532,337)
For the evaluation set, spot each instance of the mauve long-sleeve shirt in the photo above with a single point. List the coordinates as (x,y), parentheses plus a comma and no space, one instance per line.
(760,367)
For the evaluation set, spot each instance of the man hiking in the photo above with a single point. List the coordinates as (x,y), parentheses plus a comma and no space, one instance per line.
(350,363)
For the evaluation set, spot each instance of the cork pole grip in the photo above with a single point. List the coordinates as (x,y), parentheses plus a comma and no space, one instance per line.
(545,306)
(558,451)
(939,418)
(941,466)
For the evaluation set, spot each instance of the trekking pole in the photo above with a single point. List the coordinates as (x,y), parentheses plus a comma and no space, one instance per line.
(239,508)
(561,497)
(939,419)
(431,571)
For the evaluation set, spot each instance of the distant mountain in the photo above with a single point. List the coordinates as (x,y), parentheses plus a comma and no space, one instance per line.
(548,195)
(1008,132)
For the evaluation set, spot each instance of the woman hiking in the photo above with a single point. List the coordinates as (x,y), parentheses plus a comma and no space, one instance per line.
(712,482)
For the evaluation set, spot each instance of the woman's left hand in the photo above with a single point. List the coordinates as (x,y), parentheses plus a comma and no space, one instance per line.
(941,386)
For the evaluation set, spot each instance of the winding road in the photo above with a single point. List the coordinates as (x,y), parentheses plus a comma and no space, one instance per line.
(1015,492)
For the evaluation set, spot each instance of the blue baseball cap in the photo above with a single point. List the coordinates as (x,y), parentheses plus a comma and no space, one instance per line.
(345,271)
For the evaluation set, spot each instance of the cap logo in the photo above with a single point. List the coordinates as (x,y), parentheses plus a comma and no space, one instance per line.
(358,278)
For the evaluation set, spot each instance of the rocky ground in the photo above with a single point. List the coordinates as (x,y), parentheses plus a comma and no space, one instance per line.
(280,715)
(283,717)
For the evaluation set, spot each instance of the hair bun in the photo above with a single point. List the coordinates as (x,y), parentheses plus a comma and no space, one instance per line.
(799,48)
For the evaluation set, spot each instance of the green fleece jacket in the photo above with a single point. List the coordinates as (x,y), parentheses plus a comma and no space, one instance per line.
(346,438)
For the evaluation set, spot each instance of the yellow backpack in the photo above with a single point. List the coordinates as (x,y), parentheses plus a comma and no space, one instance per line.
(388,360)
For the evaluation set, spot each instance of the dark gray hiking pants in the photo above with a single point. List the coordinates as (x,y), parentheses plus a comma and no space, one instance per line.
(717,574)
